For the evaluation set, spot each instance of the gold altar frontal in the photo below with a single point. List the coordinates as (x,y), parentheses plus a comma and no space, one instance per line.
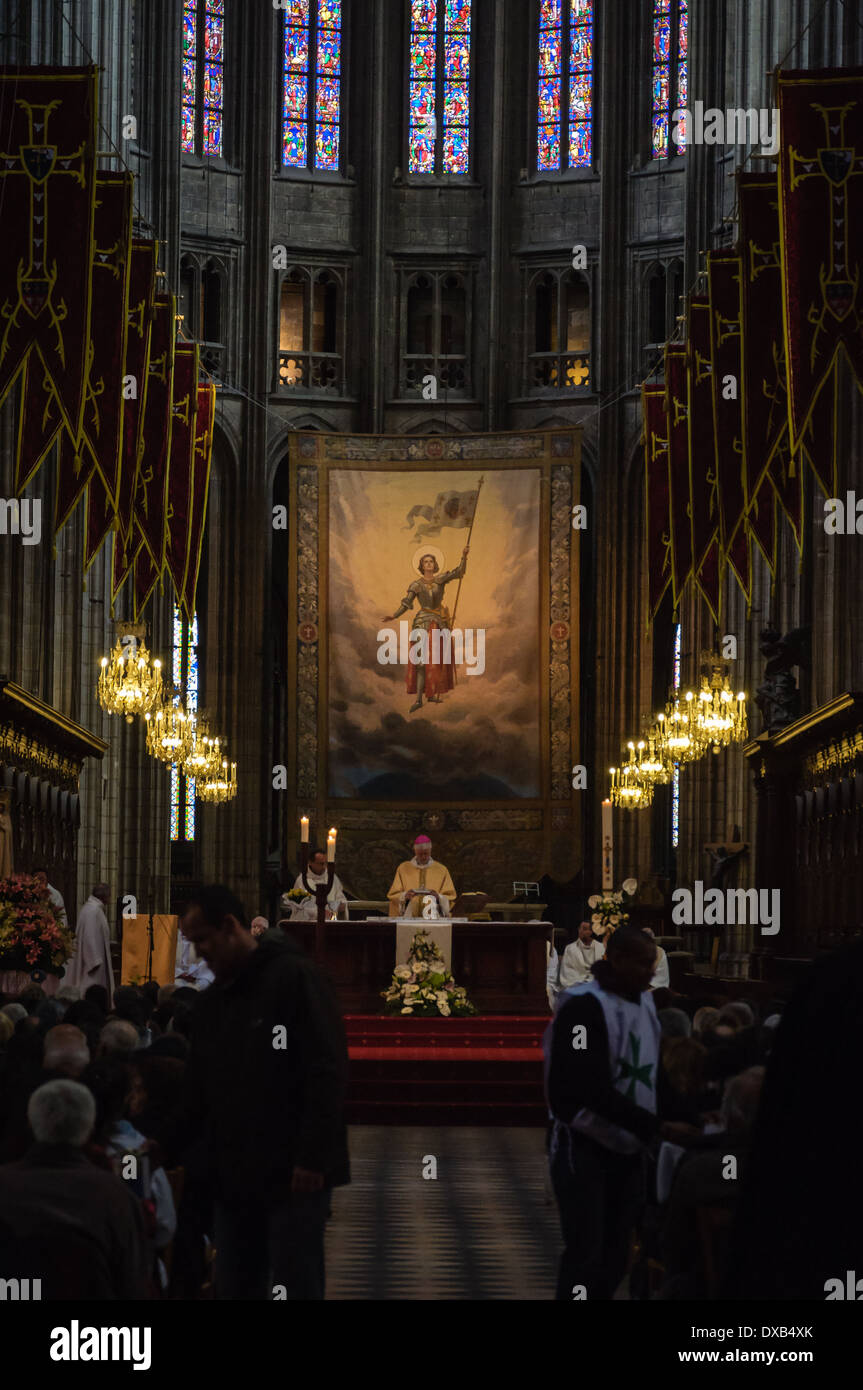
(502,965)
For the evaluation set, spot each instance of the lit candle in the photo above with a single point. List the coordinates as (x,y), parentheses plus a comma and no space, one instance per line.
(304,830)
(607,847)
(331,847)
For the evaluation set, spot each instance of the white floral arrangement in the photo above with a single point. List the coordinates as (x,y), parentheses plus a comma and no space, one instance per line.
(608,910)
(424,987)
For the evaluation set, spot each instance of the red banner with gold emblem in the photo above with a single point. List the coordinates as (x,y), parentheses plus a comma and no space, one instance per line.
(101,518)
(723,280)
(766,434)
(200,488)
(98,448)
(765,406)
(39,422)
(47,174)
(142,294)
(704,511)
(182,464)
(821,211)
(677,427)
(147,576)
(152,498)
(142,283)
(658,537)
(103,412)
(761,521)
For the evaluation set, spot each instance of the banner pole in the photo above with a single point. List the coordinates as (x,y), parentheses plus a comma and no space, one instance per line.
(467,543)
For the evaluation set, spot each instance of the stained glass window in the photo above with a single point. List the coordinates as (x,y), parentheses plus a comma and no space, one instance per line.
(565,85)
(439,87)
(184,676)
(312,84)
(670,81)
(203,76)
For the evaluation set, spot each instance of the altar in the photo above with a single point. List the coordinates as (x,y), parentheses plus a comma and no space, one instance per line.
(502,965)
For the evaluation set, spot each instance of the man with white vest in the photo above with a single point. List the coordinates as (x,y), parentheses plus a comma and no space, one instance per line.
(602,1059)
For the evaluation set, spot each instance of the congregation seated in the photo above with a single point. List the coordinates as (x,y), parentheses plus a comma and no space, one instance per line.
(111,1081)
(674,1023)
(705,1020)
(118,1038)
(735,1043)
(707,1176)
(64,1221)
(61,1053)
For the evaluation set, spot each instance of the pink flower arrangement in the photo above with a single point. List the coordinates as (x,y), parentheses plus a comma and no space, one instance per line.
(32,935)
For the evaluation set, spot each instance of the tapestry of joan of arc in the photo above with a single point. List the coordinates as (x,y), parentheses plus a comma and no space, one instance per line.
(434,602)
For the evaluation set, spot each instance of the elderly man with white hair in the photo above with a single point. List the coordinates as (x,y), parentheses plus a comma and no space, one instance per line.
(75,1227)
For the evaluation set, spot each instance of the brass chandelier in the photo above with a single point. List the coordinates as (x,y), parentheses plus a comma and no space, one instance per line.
(680,736)
(653,762)
(220,786)
(129,683)
(720,714)
(169,733)
(203,757)
(630,789)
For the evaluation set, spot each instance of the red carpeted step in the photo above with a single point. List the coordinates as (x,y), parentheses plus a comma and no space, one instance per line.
(397,1055)
(402,1112)
(482,1070)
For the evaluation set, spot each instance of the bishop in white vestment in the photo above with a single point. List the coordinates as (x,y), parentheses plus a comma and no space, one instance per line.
(91,962)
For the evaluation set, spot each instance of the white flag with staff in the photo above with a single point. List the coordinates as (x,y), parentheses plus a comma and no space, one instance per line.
(450,509)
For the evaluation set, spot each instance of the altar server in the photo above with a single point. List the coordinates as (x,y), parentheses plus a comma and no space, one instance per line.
(421,875)
(602,1056)
(91,962)
(317,873)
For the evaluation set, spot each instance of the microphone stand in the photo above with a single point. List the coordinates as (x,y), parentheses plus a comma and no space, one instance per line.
(150,942)
(320,892)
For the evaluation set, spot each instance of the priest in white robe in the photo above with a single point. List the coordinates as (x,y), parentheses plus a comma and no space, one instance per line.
(91,962)
(421,876)
(661,975)
(580,957)
(191,969)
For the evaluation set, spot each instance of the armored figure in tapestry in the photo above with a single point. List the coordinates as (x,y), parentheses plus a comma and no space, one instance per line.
(432,672)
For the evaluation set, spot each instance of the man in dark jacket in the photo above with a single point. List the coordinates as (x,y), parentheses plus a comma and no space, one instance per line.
(265,1087)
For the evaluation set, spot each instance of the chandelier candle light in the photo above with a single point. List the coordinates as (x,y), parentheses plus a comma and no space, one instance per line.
(169,733)
(630,790)
(653,765)
(216,788)
(128,683)
(721,715)
(679,731)
(204,756)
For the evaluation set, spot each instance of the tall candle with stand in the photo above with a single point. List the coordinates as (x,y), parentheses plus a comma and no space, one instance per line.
(607,847)
(319,891)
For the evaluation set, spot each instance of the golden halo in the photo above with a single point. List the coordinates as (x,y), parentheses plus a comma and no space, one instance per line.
(428,550)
